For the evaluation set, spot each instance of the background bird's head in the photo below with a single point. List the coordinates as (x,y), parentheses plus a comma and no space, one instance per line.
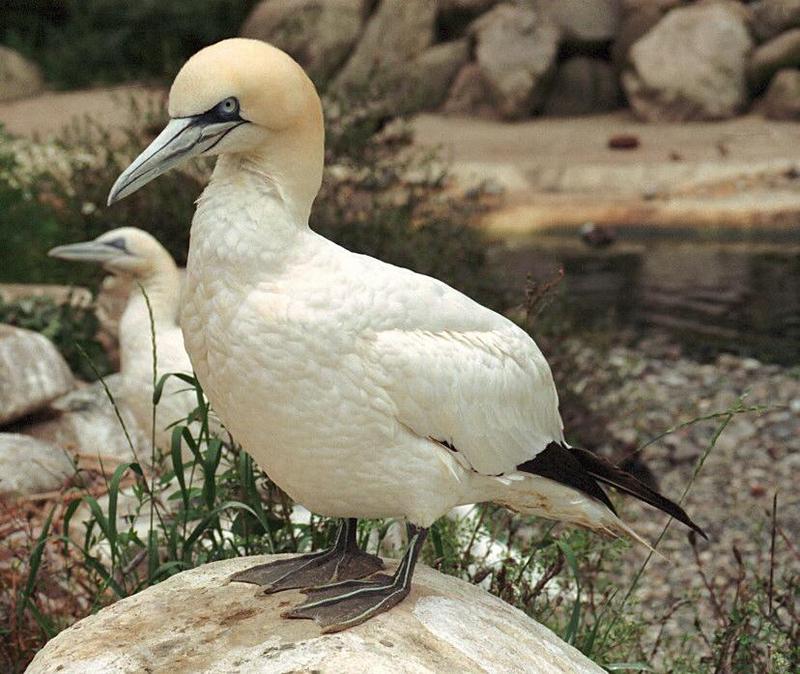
(243,98)
(123,251)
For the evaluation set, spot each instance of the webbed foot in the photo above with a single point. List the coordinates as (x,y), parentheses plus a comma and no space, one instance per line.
(344,561)
(338,606)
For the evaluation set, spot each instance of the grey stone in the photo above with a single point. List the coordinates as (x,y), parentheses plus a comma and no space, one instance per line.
(319,34)
(470,94)
(398,32)
(198,622)
(84,422)
(425,82)
(32,373)
(772,56)
(30,466)
(582,86)
(18,76)
(772,17)
(516,49)
(583,22)
(690,66)
(782,100)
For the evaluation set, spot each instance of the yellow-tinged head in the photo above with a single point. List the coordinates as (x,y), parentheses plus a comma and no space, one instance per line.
(125,250)
(241,97)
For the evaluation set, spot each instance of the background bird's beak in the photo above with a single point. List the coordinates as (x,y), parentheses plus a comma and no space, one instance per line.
(86,251)
(181,139)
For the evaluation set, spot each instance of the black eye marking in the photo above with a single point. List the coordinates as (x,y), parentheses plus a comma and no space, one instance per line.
(118,243)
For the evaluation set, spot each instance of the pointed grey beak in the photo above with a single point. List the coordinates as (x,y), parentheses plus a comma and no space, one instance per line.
(87,251)
(181,139)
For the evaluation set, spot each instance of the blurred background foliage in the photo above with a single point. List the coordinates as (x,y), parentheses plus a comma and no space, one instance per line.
(83,42)
(379,197)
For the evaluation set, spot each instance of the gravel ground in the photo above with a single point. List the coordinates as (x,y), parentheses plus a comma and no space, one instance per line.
(651,388)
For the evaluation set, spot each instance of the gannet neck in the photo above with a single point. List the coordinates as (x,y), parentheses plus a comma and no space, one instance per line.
(247,221)
(162,284)
(290,163)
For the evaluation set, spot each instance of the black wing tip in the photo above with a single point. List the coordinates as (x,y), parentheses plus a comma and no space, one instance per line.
(606,472)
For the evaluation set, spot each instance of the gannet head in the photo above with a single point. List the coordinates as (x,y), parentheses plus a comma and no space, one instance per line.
(126,250)
(239,97)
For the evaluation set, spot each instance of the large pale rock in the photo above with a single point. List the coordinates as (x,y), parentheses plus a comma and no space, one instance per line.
(772,56)
(782,100)
(319,34)
(583,22)
(84,422)
(690,66)
(32,373)
(515,48)
(398,32)
(29,466)
(194,622)
(772,17)
(582,86)
(18,76)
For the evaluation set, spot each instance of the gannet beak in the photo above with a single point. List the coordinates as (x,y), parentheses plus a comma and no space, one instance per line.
(87,251)
(181,139)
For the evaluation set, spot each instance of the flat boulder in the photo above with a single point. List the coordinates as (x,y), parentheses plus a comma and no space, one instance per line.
(197,622)
(19,77)
(691,65)
(516,48)
(32,373)
(30,466)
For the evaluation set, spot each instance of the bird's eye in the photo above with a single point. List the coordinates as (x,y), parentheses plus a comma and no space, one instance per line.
(228,108)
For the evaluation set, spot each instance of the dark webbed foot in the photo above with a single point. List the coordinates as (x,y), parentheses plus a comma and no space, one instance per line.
(344,561)
(338,606)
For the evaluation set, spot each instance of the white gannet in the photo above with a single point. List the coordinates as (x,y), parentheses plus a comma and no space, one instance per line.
(132,252)
(363,389)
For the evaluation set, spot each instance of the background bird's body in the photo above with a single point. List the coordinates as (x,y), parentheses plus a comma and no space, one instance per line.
(134,253)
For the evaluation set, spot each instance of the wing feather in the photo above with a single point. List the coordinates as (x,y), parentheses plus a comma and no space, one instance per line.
(488,393)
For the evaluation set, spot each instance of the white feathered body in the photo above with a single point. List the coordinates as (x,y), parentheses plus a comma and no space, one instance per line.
(346,378)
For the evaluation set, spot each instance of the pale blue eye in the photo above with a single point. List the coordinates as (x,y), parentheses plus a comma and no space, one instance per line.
(228,108)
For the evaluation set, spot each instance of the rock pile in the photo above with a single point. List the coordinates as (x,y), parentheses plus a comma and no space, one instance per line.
(47,418)
(671,59)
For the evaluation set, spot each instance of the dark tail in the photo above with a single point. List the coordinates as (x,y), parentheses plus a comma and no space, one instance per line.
(582,470)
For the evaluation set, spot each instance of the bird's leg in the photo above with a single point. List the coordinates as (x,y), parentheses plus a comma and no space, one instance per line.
(337,606)
(341,562)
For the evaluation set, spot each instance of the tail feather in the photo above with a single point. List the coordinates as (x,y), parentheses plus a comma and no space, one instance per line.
(607,473)
(582,470)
